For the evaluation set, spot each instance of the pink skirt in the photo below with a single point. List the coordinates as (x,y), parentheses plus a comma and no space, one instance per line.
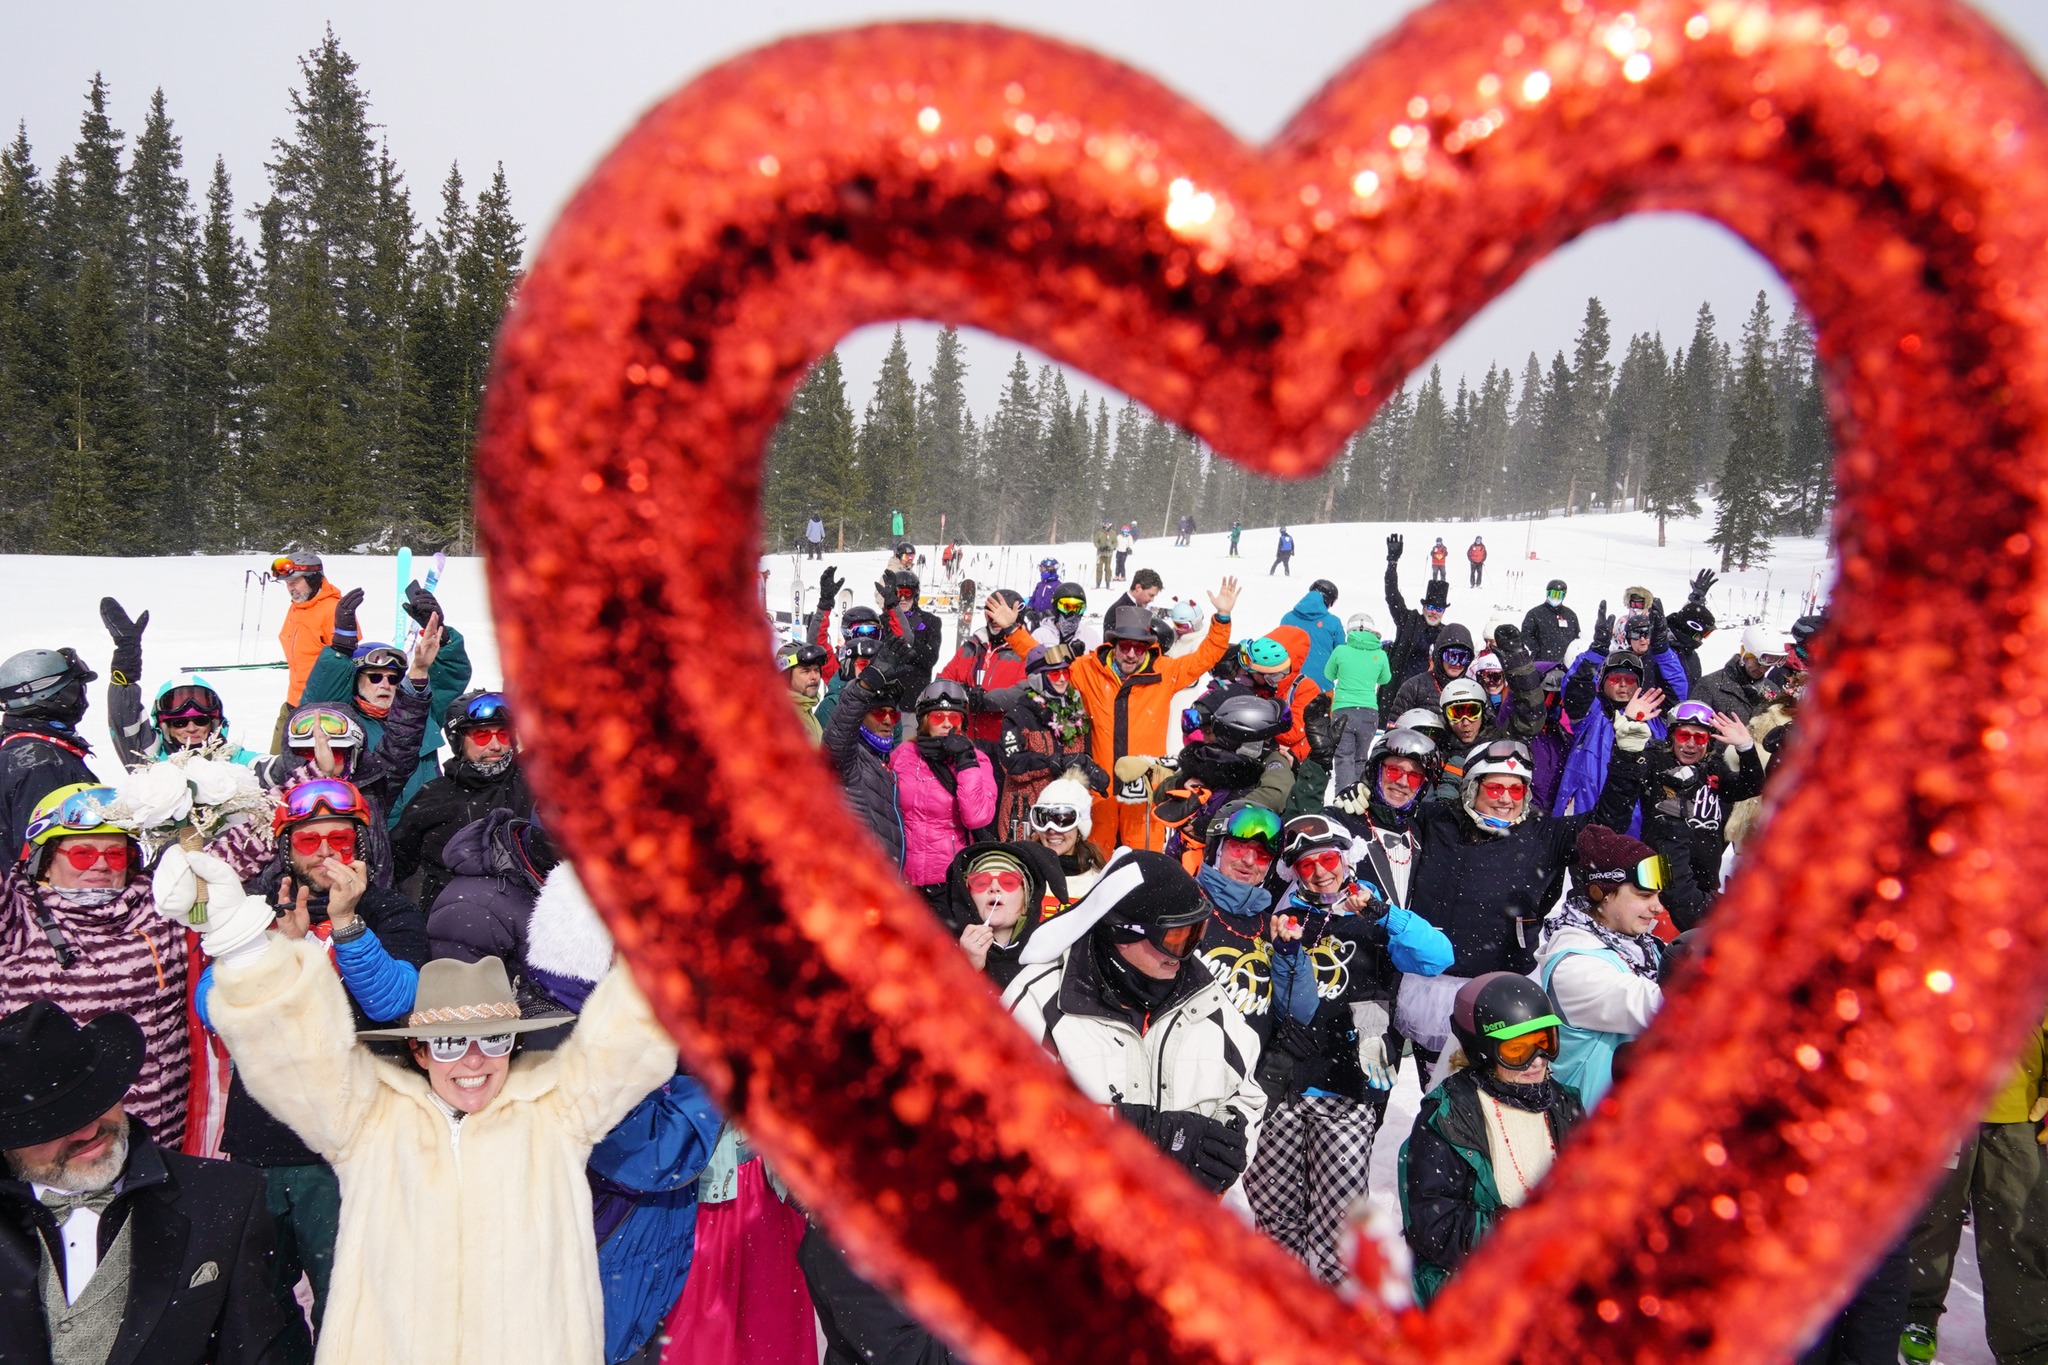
(745,1302)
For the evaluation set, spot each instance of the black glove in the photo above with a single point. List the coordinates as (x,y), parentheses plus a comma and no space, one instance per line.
(877,678)
(127,641)
(1213,1152)
(1660,632)
(1603,630)
(1282,1071)
(1394,545)
(1703,583)
(421,605)
(959,751)
(1320,731)
(345,633)
(828,589)
(1098,780)
(1514,656)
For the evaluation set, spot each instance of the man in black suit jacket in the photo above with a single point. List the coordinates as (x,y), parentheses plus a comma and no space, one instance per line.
(90,1202)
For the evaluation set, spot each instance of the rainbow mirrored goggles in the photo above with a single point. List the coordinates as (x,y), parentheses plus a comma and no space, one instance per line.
(81,812)
(321,798)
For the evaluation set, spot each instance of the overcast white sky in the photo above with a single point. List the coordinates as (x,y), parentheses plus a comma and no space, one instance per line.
(548,87)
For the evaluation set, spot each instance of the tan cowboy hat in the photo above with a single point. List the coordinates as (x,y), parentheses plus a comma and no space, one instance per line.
(458,999)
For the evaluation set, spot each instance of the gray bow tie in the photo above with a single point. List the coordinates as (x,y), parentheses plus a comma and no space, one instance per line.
(62,1203)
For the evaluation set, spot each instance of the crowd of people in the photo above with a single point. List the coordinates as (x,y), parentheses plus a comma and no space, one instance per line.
(361,1078)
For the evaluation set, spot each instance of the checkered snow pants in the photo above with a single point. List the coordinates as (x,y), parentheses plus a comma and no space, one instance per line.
(1313,1160)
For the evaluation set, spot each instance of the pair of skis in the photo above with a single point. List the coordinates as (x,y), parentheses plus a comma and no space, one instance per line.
(403,627)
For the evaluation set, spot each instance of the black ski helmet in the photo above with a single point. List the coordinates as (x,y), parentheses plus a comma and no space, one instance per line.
(475,709)
(1555,585)
(1498,1008)
(1246,719)
(896,580)
(1691,623)
(799,654)
(1327,589)
(1073,590)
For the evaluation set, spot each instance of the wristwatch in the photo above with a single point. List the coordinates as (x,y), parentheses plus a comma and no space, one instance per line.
(356,927)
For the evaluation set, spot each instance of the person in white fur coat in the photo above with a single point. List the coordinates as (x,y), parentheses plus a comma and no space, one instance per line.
(465,1214)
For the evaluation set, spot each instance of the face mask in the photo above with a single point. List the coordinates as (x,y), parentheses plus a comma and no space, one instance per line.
(86,897)
(492,767)
(1232,898)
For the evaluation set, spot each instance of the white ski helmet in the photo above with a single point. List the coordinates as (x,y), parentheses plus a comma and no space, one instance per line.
(1762,643)
(1460,689)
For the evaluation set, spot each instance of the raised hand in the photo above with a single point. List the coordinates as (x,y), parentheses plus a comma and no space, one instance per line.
(1395,544)
(1702,583)
(1603,628)
(1225,596)
(1002,613)
(1646,703)
(345,619)
(1730,730)
(421,605)
(127,636)
(426,649)
(828,589)
(323,755)
(346,884)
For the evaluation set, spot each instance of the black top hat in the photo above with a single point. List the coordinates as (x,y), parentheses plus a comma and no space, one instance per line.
(56,1077)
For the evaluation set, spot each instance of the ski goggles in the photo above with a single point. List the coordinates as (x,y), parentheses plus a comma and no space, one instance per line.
(1490,678)
(1054,817)
(489,707)
(1455,657)
(322,797)
(804,655)
(1464,710)
(1651,874)
(1005,880)
(79,813)
(1254,824)
(1176,941)
(1519,1052)
(339,843)
(333,724)
(1071,606)
(83,859)
(284,566)
(188,703)
(863,630)
(455,1049)
(1554,596)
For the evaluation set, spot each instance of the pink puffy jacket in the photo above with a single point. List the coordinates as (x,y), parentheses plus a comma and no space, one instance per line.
(936,821)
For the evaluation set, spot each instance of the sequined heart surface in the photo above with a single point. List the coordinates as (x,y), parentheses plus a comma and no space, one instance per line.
(1872,967)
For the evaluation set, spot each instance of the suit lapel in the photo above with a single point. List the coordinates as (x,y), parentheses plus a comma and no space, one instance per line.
(158,1234)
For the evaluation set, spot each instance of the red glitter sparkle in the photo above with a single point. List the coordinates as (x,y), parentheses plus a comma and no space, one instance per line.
(1786,1114)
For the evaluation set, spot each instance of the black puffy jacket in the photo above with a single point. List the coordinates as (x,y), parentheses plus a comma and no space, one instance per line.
(36,758)
(1550,632)
(864,773)
(1480,888)
(460,796)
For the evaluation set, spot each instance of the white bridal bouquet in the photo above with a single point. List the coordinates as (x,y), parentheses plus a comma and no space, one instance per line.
(187,799)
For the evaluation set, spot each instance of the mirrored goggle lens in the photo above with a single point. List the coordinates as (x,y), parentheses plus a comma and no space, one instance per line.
(323,796)
(1650,873)
(1454,657)
(1254,822)
(1517,1053)
(1179,941)
(86,809)
(1464,710)
(863,630)
(1054,817)
(286,566)
(329,723)
(490,706)
(1070,605)
(453,1049)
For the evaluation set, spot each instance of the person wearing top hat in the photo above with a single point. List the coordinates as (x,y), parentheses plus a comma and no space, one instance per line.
(465,1213)
(114,1251)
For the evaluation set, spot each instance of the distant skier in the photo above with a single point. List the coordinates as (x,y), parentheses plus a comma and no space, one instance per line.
(1236,530)
(1283,554)
(1476,555)
(1438,558)
(896,524)
(814,536)
(1126,542)
(1105,547)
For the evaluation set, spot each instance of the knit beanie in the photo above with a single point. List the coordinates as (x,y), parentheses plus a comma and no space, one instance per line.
(1606,856)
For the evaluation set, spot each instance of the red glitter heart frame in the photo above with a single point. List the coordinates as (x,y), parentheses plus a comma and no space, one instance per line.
(1871,969)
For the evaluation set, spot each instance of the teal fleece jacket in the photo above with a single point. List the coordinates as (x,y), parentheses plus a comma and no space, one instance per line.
(1358,668)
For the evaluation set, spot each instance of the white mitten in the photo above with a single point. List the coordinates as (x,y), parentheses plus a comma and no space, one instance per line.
(1631,735)
(233,917)
(1371,1019)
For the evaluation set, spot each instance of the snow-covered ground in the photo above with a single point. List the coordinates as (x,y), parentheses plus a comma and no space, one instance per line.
(208,611)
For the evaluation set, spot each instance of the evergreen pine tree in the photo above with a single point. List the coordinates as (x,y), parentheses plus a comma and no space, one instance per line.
(1744,506)
(811,463)
(1011,453)
(27,386)
(210,360)
(1592,378)
(1808,476)
(888,445)
(945,435)
(1668,487)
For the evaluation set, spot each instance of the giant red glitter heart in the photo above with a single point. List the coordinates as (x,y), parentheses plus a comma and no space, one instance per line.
(1872,968)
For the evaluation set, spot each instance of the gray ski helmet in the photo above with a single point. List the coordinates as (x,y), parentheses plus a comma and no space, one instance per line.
(942,694)
(1247,719)
(1403,743)
(45,684)
(1423,718)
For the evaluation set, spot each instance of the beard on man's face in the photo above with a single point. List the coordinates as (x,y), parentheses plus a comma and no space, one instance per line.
(66,1172)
